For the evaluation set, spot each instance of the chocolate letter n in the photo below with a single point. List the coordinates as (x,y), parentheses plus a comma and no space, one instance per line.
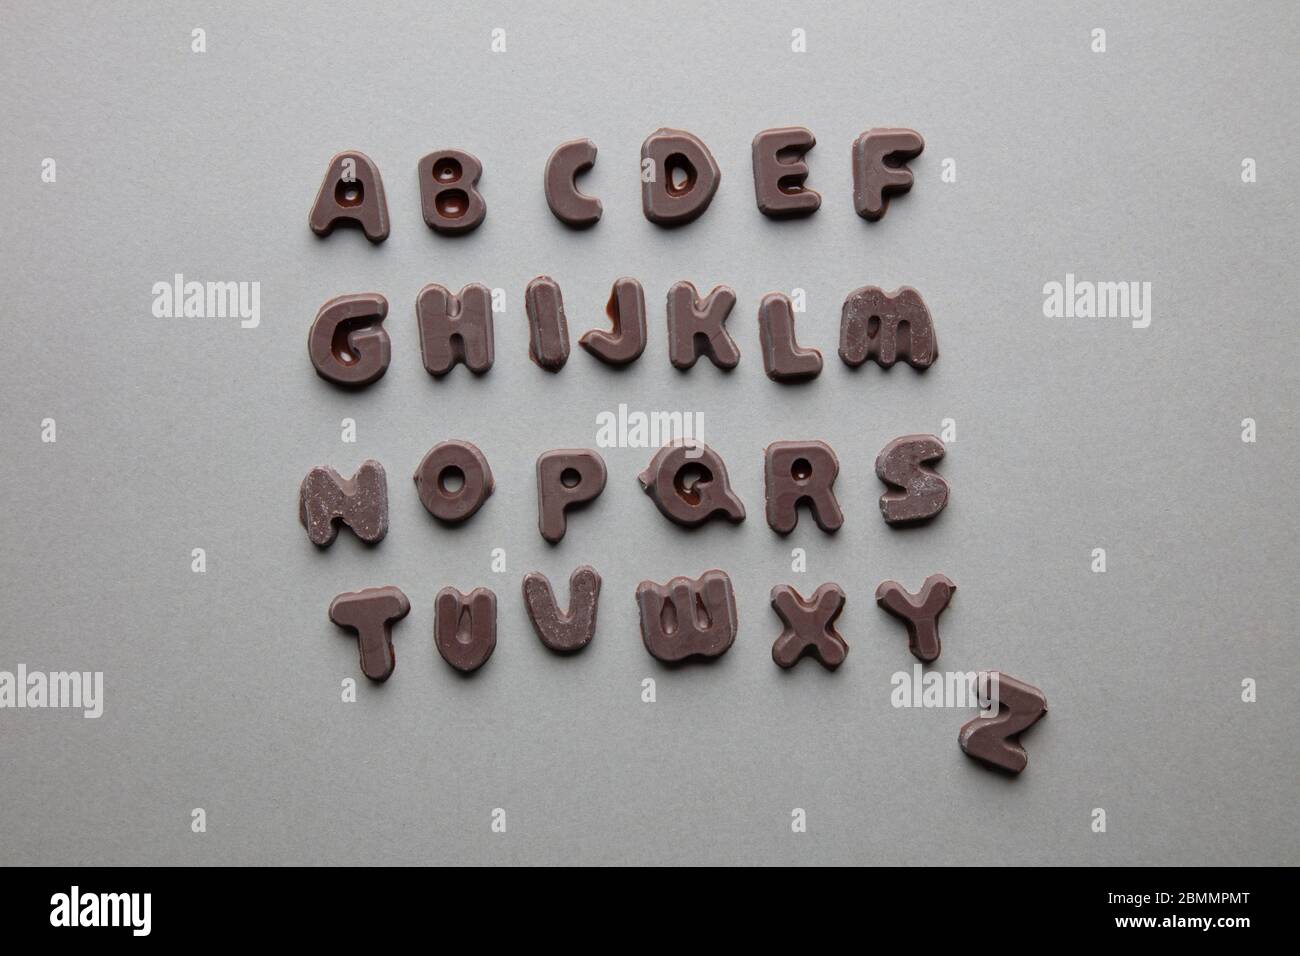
(687,618)
(326,498)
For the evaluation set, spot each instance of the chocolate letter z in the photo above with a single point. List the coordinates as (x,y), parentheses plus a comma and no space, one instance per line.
(996,740)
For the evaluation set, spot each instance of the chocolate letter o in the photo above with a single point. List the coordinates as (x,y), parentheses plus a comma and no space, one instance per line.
(453,460)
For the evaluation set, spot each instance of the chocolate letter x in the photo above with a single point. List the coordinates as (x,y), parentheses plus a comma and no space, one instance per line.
(809,626)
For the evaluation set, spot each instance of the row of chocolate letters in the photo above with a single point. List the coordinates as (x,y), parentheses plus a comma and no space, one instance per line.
(349,346)
(686,479)
(679,178)
(689,619)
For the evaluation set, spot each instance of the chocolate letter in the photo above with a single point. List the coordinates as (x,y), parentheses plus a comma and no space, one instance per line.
(688,481)
(626,311)
(881,327)
(347,342)
(451,203)
(570,206)
(565,477)
(372,613)
(685,618)
(780,172)
(809,626)
(665,200)
(990,739)
(879,156)
(569,631)
(798,472)
(783,359)
(455,328)
(901,464)
(351,192)
(360,502)
(453,480)
(695,326)
(920,613)
(548,332)
(465,627)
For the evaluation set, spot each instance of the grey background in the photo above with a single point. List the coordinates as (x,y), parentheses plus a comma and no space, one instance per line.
(223,689)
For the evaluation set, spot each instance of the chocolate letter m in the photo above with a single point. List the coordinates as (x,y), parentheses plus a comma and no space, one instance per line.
(883,327)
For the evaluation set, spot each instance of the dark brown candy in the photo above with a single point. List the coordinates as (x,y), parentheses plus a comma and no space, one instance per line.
(919,612)
(465,627)
(449,196)
(566,477)
(347,342)
(548,332)
(453,480)
(351,192)
(570,206)
(695,326)
(780,173)
(688,481)
(879,156)
(626,341)
(665,199)
(327,499)
(687,618)
(922,494)
(995,741)
(372,612)
(455,328)
(883,327)
(783,359)
(809,626)
(570,630)
(801,472)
